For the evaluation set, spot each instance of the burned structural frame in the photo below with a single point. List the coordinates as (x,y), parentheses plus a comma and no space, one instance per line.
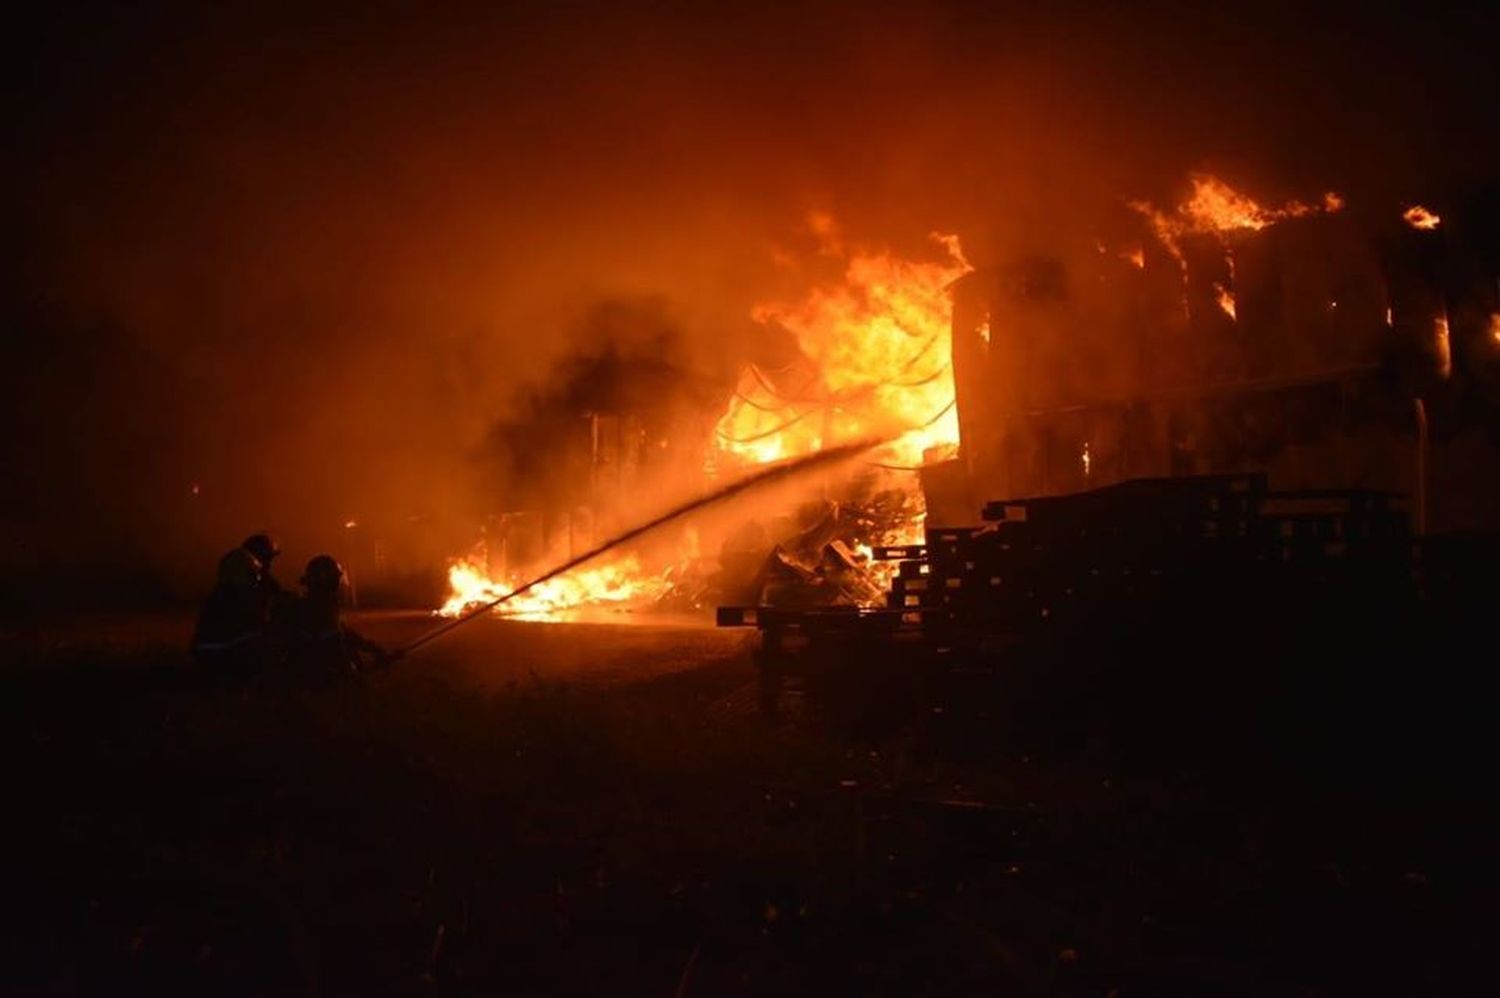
(1337,354)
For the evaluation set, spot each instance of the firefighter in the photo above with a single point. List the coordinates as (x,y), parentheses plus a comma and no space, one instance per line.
(317,643)
(264,549)
(231,629)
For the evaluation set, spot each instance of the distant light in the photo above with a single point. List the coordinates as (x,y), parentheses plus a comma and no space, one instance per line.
(350,524)
(1495,329)
(1088,460)
(195,488)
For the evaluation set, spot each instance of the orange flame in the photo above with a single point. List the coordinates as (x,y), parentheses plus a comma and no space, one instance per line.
(617,583)
(1225,298)
(1419,217)
(1218,209)
(878,346)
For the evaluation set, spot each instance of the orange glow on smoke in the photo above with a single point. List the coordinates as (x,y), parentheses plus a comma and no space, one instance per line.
(1419,217)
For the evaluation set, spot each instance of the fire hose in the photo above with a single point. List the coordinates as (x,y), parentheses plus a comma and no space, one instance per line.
(774,473)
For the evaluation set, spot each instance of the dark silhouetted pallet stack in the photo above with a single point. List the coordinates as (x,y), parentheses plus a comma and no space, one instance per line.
(1124,549)
(1142,554)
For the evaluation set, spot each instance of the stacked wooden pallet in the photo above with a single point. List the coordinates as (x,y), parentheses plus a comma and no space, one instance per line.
(1127,548)
(1149,558)
(1129,552)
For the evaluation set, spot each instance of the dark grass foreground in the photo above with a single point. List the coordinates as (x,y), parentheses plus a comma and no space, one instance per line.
(413,835)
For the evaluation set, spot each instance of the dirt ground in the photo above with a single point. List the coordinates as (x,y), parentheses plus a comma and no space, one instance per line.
(540,809)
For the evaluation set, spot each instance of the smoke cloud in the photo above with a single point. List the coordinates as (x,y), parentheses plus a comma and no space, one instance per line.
(273,268)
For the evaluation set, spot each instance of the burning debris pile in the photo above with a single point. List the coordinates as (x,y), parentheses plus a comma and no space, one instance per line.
(873,357)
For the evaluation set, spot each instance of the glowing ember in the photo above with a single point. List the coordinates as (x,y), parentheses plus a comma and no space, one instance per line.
(1419,217)
(615,583)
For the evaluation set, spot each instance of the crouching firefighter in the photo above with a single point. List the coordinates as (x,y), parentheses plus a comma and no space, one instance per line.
(316,642)
(230,635)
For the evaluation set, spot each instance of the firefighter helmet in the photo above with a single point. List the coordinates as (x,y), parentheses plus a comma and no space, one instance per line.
(323,574)
(239,569)
(263,546)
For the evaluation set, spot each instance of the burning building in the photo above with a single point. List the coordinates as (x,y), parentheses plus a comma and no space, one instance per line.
(1306,341)
(1297,341)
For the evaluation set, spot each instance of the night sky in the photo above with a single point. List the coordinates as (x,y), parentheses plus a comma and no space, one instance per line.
(305,259)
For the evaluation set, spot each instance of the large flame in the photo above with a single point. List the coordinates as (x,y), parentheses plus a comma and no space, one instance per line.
(878,349)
